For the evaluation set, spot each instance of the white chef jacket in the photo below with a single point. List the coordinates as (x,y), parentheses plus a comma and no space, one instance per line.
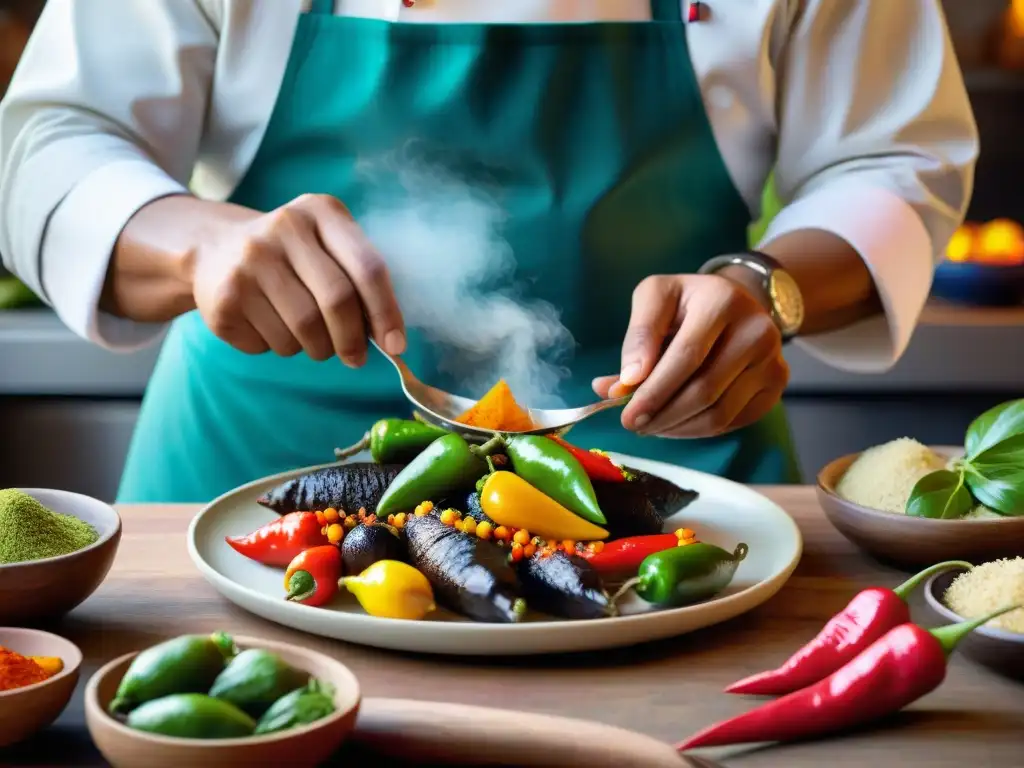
(858,104)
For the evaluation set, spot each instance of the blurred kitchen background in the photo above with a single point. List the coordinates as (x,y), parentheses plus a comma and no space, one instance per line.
(67,409)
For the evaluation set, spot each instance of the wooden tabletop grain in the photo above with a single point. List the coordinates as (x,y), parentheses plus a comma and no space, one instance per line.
(665,690)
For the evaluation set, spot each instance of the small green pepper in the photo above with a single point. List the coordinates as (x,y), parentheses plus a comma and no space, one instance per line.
(555,472)
(300,707)
(192,716)
(255,679)
(685,574)
(447,465)
(186,664)
(394,441)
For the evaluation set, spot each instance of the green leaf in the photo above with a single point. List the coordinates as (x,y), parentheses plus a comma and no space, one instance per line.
(1009,452)
(940,495)
(994,426)
(999,487)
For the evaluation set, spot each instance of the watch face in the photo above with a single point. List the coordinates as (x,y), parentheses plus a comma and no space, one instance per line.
(788,301)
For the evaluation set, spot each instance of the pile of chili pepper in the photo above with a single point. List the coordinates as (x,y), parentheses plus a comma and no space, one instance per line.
(867,662)
(550,481)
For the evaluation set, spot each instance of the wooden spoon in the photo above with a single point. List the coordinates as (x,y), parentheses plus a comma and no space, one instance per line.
(454,734)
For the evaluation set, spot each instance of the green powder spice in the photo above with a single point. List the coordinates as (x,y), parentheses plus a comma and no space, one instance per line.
(29,531)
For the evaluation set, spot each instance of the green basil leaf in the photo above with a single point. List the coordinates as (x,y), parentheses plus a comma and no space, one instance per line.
(999,487)
(940,495)
(993,426)
(1009,452)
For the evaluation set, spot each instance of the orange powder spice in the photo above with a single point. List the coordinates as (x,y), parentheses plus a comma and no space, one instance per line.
(498,410)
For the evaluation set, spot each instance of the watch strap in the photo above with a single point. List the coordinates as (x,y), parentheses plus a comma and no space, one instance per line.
(763,265)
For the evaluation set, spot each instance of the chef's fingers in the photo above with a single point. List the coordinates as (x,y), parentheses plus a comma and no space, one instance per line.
(240,333)
(746,342)
(335,297)
(704,318)
(753,386)
(654,311)
(296,306)
(264,318)
(758,407)
(602,384)
(366,270)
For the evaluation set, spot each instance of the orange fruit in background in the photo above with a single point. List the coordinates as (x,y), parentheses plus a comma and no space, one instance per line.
(1000,242)
(961,246)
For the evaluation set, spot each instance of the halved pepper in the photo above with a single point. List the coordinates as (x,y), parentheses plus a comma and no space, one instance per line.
(511,501)
(554,471)
(394,441)
(447,465)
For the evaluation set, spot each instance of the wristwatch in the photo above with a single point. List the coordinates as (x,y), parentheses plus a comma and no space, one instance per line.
(785,299)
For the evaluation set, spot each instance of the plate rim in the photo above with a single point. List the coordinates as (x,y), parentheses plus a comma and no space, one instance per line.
(769,586)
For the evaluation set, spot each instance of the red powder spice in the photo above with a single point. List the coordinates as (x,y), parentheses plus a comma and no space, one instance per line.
(17,671)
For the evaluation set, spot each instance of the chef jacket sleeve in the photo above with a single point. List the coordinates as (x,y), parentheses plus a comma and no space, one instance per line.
(103,116)
(876,144)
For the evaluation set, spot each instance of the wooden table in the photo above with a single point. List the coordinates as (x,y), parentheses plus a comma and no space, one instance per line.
(666,689)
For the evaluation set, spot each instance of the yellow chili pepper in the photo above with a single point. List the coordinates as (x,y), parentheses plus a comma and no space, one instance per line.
(391,589)
(512,502)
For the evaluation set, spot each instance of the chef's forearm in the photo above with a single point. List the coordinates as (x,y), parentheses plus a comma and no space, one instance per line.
(150,274)
(837,287)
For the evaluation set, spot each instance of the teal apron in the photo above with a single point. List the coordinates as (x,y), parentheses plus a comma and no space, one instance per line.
(609,172)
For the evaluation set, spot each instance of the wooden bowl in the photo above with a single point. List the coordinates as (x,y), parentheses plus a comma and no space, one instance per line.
(24,711)
(998,649)
(38,590)
(915,542)
(300,747)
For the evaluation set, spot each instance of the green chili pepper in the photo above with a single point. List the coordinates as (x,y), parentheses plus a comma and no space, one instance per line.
(686,574)
(445,466)
(394,441)
(255,679)
(300,707)
(556,473)
(186,664)
(192,716)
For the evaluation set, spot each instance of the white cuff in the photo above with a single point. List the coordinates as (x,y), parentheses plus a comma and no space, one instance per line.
(891,238)
(79,241)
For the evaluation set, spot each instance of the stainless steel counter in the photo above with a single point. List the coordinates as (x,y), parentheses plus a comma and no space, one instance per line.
(972,350)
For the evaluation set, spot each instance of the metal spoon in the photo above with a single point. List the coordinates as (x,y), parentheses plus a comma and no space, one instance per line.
(442,408)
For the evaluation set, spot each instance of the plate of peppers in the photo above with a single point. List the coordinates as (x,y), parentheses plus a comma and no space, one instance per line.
(418,539)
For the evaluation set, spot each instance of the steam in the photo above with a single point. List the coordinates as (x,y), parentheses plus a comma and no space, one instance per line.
(454,277)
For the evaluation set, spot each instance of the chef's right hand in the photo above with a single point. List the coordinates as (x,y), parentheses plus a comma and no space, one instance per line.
(302,277)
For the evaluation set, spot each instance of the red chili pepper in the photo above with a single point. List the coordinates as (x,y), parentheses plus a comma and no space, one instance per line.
(896,670)
(312,577)
(596,465)
(867,617)
(279,541)
(627,554)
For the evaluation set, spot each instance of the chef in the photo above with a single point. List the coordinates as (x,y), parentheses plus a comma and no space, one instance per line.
(193,164)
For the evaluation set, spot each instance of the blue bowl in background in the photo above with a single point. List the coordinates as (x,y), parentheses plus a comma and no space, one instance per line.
(983,285)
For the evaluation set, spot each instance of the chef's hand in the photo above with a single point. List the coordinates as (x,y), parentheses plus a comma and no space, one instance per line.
(301,277)
(722,366)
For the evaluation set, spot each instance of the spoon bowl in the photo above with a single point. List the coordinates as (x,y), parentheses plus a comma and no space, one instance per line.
(442,408)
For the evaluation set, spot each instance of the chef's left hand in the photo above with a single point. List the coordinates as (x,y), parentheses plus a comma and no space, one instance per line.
(722,366)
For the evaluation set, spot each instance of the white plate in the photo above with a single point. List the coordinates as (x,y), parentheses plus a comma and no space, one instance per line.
(725,514)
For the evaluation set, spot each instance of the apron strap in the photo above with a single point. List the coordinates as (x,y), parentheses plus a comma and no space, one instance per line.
(667,10)
(322,6)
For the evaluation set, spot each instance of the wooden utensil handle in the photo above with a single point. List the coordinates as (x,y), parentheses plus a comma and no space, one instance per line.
(463,735)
